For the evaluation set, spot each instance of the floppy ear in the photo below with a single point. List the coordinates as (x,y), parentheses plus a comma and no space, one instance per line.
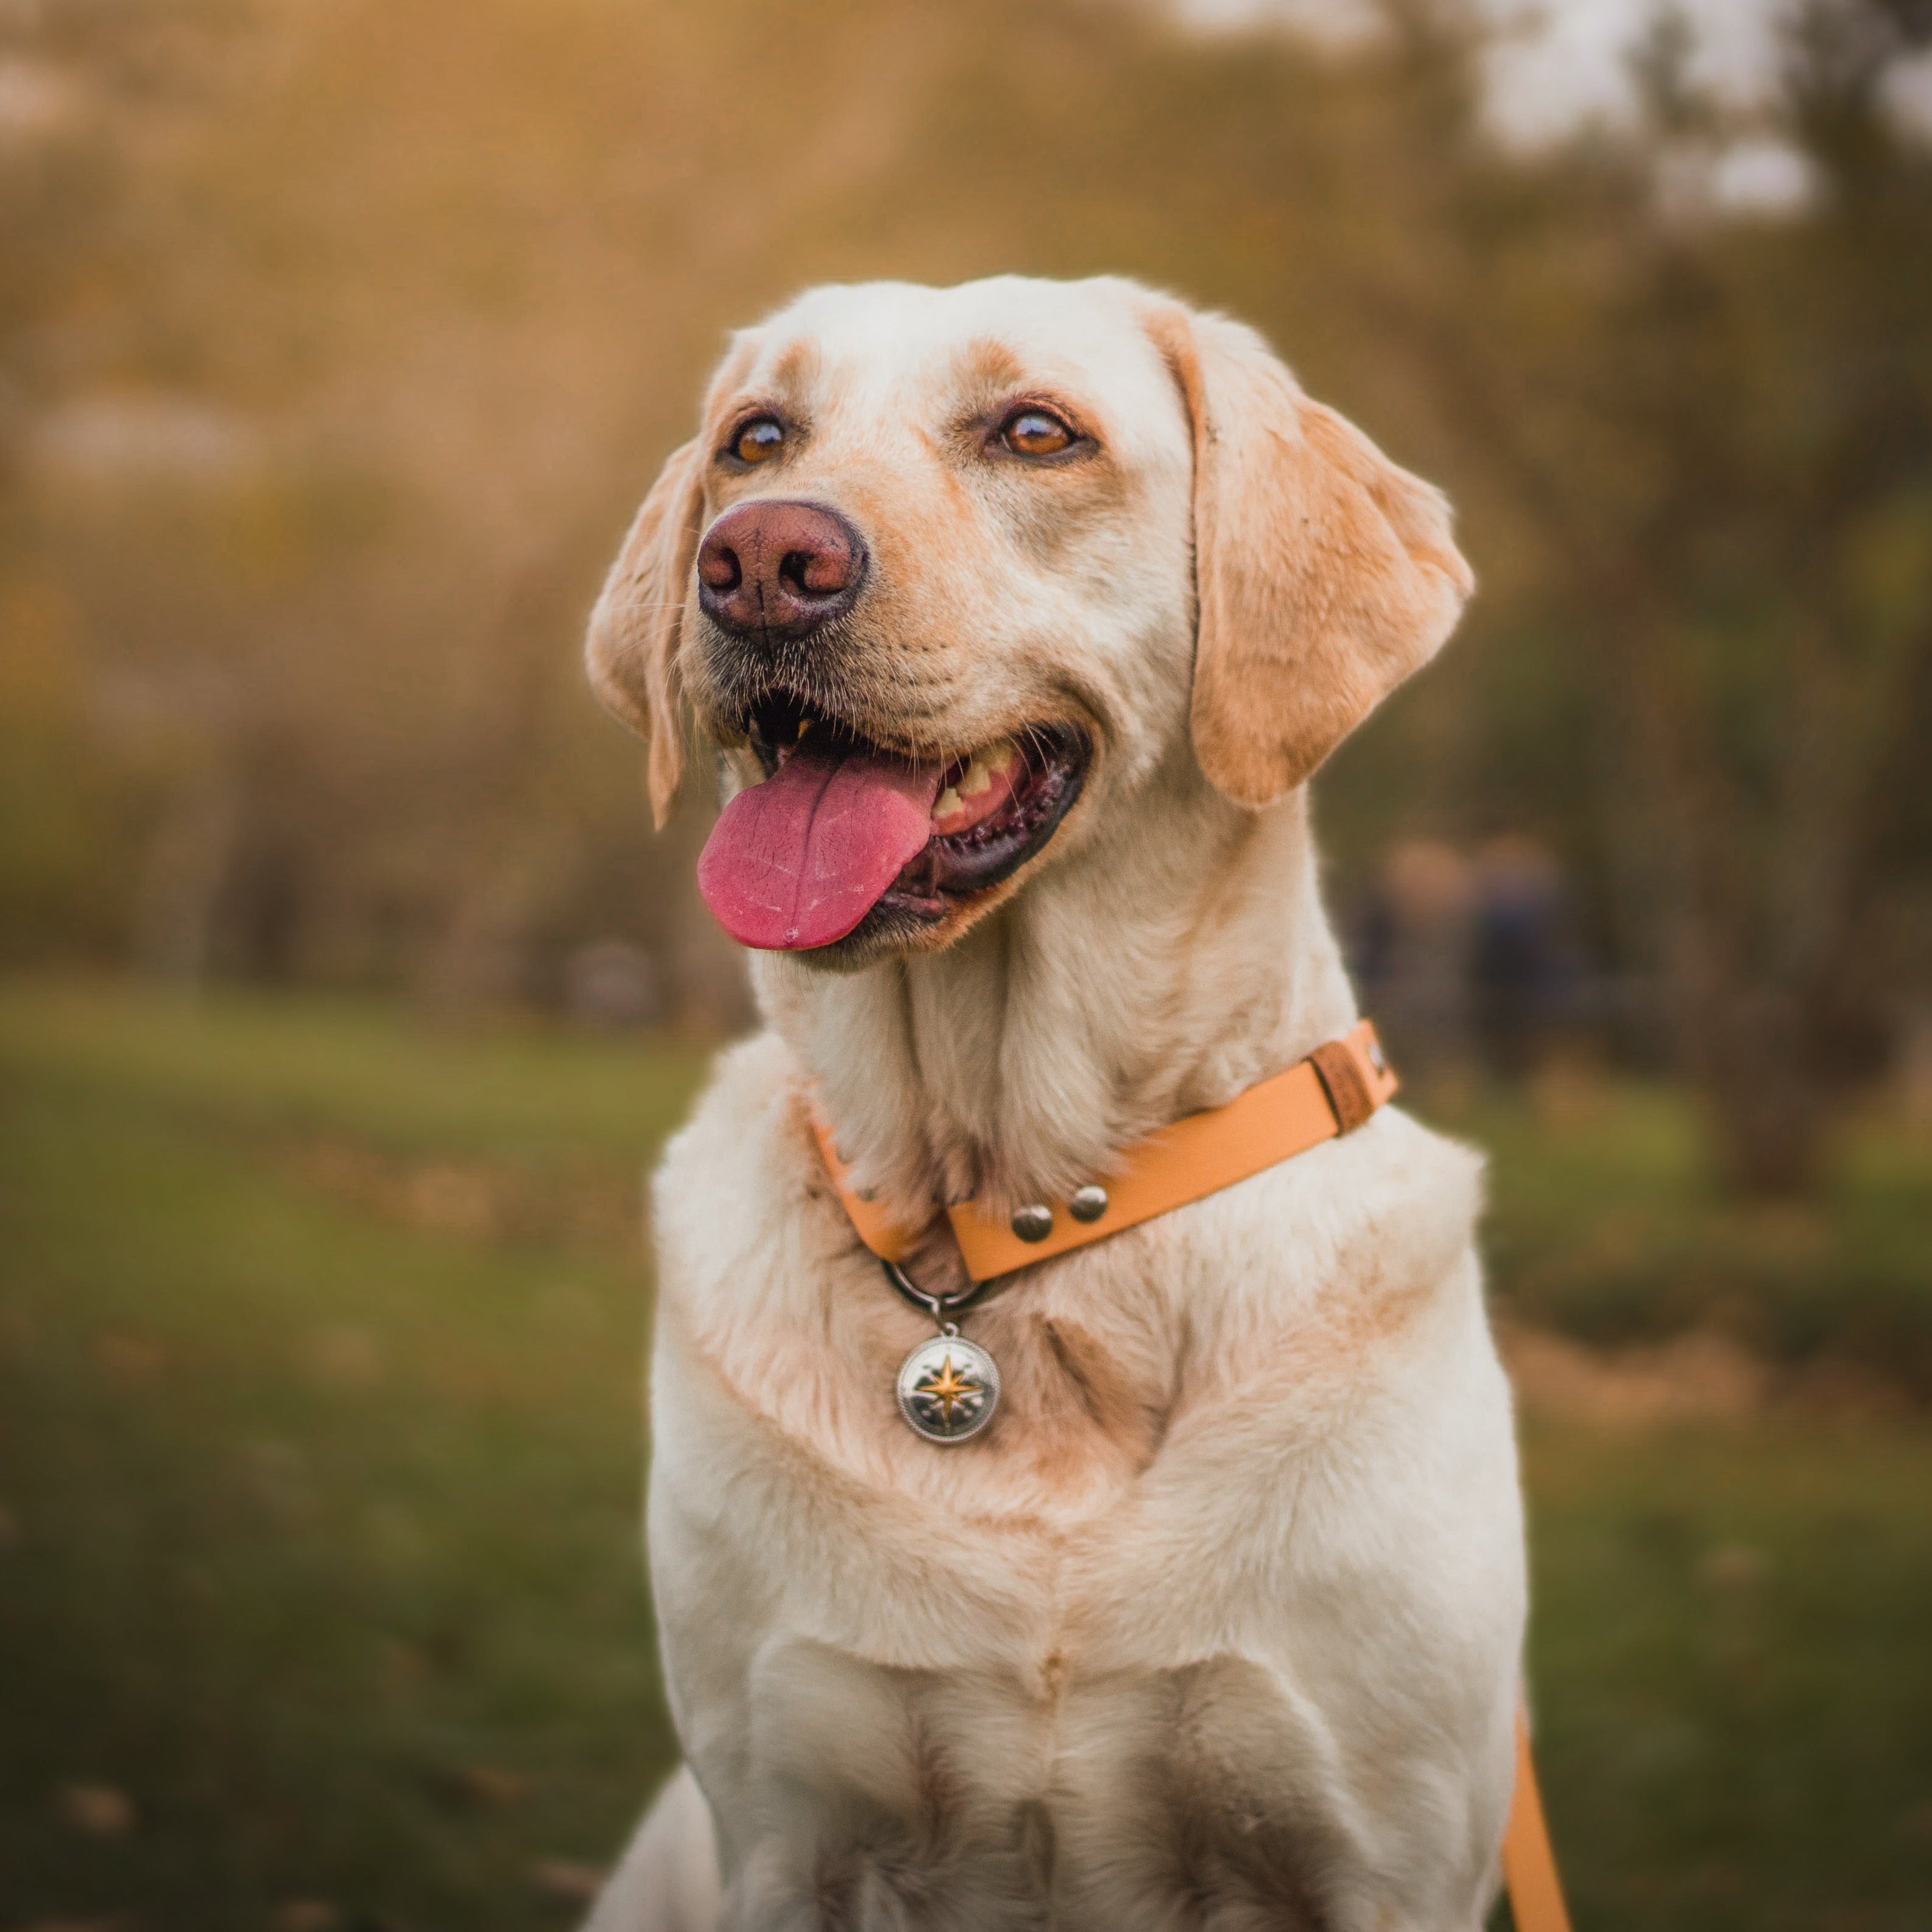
(1324,574)
(632,650)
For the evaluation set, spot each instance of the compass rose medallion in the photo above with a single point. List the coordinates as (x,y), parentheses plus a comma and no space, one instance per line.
(948,1388)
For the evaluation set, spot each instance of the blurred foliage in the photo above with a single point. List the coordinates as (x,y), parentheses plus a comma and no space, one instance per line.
(339,340)
(319,1600)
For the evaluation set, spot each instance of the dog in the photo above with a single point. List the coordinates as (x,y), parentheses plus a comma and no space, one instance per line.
(1019,614)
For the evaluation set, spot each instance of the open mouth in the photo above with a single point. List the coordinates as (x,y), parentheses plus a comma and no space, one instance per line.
(843,831)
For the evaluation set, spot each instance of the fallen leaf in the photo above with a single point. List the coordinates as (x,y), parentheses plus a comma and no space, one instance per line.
(346,1358)
(132,1360)
(565,1878)
(98,1809)
(1734,1566)
(492,1784)
(306,1915)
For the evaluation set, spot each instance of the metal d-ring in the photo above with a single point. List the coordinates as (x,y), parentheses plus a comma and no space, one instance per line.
(941,1307)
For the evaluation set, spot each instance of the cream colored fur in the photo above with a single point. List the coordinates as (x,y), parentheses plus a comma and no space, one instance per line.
(1218,1625)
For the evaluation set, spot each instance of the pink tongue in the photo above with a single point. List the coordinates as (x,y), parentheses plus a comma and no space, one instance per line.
(798,861)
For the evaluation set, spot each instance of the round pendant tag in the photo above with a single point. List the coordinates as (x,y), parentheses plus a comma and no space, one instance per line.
(948,1388)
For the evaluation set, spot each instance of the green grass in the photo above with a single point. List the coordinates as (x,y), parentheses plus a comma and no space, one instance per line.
(1731,1656)
(1606,1225)
(319,1445)
(322,1499)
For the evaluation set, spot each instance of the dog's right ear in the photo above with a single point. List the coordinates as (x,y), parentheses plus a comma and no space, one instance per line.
(632,650)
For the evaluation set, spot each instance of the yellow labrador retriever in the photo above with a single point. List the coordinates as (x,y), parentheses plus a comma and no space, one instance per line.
(1020,613)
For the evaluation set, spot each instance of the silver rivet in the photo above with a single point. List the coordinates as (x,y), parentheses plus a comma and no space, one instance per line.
(1088,1204)
(1376,1059)
(1032,1223)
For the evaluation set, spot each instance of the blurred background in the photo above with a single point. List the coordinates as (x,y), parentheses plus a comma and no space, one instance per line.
(343,991)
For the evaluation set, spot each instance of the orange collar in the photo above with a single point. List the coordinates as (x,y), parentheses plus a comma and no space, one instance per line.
(1330,1092)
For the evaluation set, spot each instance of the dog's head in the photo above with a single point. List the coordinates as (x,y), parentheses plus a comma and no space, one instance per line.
(947,574)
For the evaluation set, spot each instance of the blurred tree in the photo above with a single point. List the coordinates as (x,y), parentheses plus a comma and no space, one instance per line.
(85,90)
(340,339)
(1717,428)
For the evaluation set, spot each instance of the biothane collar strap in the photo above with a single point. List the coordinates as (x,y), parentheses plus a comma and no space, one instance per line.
(1330,1092)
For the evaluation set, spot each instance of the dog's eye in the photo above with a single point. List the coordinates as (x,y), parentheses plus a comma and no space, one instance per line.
(759,440)
(1035,433)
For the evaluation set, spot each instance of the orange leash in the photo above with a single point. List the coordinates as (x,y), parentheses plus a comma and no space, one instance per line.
(1331,1092)
(1529,1864)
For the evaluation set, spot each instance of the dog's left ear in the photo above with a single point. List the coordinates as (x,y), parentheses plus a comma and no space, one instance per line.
(632,650)
(1324,574)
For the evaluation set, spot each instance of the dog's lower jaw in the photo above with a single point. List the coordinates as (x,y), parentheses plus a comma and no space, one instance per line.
(890,932)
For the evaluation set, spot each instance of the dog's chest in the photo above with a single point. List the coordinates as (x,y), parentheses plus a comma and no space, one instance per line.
(1092,1666)
(1089,1359)
(959,1701)
(1126,1369)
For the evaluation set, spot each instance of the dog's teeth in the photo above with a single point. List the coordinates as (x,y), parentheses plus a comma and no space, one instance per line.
(947,802)
(987,765)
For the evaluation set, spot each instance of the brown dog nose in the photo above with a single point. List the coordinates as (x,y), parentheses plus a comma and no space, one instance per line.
(776,571)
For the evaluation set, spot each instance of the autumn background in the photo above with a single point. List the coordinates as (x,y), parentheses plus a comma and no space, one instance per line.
(345,992)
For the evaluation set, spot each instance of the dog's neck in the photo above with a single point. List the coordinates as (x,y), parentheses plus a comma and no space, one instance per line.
(1149,976)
